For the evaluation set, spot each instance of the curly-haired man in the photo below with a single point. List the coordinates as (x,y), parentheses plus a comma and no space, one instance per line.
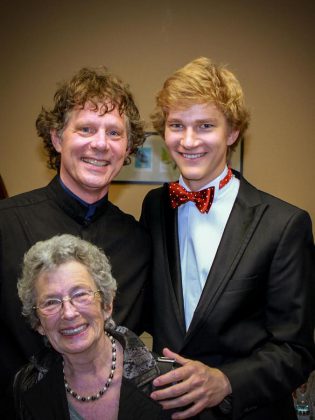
(89,134)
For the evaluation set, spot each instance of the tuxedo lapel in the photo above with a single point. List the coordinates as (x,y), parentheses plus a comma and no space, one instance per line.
(173,256)
(246,214)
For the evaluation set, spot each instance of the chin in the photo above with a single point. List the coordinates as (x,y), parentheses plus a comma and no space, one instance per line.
(76,349)
(191,177)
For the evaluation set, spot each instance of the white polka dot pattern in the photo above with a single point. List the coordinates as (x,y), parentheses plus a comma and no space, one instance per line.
(203,199)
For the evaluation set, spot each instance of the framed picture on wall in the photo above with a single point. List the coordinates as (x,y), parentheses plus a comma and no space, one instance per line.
(153,165)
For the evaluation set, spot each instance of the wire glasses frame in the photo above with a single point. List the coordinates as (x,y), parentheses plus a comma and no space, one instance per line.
(79,300)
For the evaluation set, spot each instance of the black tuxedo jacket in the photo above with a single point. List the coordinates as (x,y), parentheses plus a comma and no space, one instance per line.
(254,320)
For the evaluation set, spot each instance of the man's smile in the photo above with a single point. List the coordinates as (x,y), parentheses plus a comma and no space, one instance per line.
(95,162)
(192,156)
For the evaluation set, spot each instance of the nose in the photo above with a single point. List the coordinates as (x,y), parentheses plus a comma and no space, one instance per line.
(189,139)
(100,141)
(68,309)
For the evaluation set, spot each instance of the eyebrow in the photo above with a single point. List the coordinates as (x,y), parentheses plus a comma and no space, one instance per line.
(92,121)
(85,120)
(72,289)
(199,121)
(202,120)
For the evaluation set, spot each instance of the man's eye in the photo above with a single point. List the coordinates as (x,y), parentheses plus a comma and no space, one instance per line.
(176,126)
(87,130)
(206,126)
(114,133)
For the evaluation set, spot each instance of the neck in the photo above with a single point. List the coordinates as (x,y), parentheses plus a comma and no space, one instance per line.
(81,384)
(215,176)
(90,361)
(87,195)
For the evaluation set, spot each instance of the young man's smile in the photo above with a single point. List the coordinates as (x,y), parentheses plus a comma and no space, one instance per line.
(198,138)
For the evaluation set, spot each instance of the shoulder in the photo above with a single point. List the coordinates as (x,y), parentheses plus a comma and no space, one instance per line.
(33,372)
(254,196)
(125,224)
(116,212)
(155,199)
(25,378)
(137,357)
(26,199)
(156,193)
(277,217)
(140,366)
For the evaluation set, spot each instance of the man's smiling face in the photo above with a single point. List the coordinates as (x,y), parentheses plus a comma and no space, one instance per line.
(198,138)
(93,147)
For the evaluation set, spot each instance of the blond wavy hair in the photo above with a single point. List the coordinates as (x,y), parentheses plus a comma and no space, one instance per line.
(202,81)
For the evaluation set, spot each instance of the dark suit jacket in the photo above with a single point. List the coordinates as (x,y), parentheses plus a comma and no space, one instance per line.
(254,320)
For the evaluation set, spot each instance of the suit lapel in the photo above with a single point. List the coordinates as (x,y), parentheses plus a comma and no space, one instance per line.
(170,234)
(246,214)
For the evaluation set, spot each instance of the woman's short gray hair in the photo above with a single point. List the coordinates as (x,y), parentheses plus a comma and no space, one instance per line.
(47,255)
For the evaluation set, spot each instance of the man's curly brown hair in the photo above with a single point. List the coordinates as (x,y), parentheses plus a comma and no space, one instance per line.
(96,86)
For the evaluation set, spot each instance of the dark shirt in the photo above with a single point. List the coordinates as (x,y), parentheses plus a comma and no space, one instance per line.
(39,215)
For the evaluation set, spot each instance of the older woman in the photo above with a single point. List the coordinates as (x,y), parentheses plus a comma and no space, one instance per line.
(67,292)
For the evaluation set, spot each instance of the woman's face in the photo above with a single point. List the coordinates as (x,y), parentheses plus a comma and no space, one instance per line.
(72,330)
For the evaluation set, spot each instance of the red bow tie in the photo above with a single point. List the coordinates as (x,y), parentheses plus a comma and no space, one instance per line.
(203,199)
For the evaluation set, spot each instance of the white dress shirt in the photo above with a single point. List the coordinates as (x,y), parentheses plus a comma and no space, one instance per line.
(199,237)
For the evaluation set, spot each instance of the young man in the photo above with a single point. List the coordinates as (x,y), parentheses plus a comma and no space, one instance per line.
(233,269)
(89,133)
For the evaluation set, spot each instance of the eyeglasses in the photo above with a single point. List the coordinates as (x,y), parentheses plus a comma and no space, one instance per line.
(78,299)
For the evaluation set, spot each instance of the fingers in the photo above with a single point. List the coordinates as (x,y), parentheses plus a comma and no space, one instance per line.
(182,385)
(192,387)
(172,355)
(174,389)
(189,403)
(170,378)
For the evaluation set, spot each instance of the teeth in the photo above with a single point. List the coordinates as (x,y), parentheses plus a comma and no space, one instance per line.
(95,162)
(195,156)
(73,331)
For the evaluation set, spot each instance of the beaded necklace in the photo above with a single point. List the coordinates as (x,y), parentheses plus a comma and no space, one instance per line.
(102,391)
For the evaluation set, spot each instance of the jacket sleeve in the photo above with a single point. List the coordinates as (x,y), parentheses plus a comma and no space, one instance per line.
(286,358)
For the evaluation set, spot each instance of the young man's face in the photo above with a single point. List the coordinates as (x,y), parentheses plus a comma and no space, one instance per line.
(93,148)
(198,138)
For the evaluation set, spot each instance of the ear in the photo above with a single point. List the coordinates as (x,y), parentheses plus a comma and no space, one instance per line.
(108,310)
(233,136)
(40,330)
(55,139)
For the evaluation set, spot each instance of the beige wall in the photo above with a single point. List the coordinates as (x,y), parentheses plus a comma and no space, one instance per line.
(268,44)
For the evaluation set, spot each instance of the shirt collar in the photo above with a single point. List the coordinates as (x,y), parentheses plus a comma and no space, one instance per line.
(90,207)
(71,204)
(214,183)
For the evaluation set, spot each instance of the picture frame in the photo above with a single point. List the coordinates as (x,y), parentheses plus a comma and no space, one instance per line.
(153,164)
